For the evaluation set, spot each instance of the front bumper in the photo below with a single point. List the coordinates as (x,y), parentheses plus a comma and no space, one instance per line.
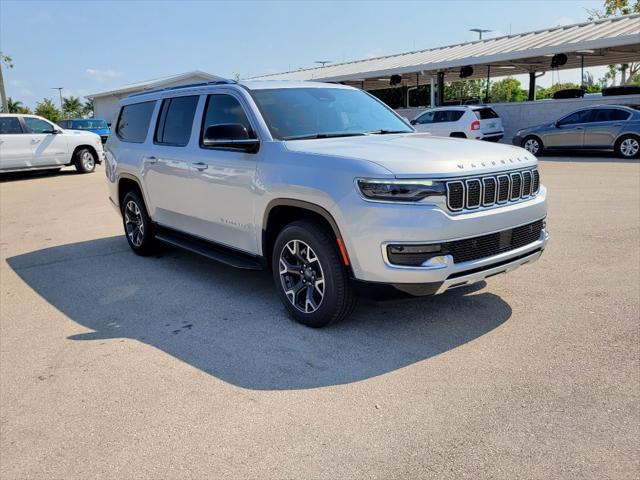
(368,227)
(460,274)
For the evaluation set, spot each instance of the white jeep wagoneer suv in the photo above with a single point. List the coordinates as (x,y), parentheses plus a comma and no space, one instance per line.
(323,185)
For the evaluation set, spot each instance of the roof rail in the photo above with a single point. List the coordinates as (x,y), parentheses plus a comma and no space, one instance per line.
(223,81)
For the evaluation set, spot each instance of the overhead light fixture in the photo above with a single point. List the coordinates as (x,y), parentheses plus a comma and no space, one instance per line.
(506,67)
(585,51)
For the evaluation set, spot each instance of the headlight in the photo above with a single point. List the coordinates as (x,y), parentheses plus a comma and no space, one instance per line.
(401,190)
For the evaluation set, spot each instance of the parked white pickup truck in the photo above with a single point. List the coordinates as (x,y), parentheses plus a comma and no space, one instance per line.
(29,142)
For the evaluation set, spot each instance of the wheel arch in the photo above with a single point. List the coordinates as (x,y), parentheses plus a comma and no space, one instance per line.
(282,211)
(458,135)
(88,147)
(128,183)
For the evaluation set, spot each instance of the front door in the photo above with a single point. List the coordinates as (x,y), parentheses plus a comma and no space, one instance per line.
(48,148)
(15,145)
(568,132)
(224,189)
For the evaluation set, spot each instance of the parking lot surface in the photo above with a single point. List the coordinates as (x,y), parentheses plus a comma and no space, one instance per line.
(116,366)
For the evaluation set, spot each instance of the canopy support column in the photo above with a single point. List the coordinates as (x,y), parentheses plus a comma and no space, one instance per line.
(486,96)
(440,88)
(532,86)
(432,92)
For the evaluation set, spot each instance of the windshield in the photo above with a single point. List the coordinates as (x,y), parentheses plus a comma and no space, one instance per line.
(90,124)
(297,113)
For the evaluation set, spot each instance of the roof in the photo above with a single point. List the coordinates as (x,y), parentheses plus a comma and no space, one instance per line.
(606,41)
(156,83)
(267,84)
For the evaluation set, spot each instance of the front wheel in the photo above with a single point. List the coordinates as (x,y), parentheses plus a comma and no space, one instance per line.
(628,147)
(532,145)
(85,161)
(310,276)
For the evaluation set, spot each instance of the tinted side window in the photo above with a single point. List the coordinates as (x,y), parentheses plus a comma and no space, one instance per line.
(447,116)
(576,117)
(35,125)
(222,109)
(10,125)
(609,115)
(425,118)
(175,120)
(133,122)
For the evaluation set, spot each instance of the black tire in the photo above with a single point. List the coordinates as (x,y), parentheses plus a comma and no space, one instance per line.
(138,227)
(336,301)
(628,146)
(530,142)
(84,160)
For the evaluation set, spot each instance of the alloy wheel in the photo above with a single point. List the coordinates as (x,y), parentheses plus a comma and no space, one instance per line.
(301,276)
(134,223)
(532,146)
(629,147)
(88,162)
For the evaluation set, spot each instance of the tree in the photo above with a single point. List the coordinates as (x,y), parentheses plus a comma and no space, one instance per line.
(507,90)
(72,107)
(614,8)
(87,109)
(8,62)
(464,89)
(48,110)
(13,106)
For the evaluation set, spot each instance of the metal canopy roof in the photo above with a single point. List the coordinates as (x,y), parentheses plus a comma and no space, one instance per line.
(601,42)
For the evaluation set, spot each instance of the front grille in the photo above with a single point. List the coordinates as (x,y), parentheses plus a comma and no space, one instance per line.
(492,190)
(494,243)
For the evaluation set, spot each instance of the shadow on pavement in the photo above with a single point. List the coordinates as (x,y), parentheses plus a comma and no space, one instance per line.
(230,323)
(35,174)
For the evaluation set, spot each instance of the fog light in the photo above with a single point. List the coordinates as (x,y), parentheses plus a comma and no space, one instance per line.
(441,261)
(412,255)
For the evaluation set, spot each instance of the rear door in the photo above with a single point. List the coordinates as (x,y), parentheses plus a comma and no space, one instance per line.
(490,121)
(604,126)
(568,132)
(48,148)
(169,176)
(15,145)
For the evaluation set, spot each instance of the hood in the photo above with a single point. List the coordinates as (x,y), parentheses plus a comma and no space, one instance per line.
(82,132)
(418,155)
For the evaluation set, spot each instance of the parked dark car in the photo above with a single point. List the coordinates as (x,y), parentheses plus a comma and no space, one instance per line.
(95,125)
(602,127)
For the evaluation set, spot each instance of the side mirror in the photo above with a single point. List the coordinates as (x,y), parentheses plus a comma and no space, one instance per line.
(413,122)
(230,135)
(556,124)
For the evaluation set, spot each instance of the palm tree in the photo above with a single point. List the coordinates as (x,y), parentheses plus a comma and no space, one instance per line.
(72,106)
(14,106)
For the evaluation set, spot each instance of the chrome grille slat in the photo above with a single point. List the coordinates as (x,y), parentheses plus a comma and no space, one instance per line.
(492,190)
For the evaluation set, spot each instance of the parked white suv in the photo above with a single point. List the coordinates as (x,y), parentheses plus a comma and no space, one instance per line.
(479,122)
(29,142)
(324,185)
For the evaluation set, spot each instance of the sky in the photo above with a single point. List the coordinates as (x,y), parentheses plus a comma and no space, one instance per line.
(93,46)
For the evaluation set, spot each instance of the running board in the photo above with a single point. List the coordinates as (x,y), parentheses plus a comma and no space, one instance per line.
(207,249)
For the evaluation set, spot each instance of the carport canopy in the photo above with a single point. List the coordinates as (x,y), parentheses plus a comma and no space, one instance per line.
(602,42)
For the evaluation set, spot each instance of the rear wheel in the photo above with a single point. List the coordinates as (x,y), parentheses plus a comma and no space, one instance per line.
(311,279)
(138,227)
(84,161)
(628,147)
(532,144)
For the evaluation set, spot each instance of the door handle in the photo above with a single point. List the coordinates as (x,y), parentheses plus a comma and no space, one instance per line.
(35,140)
(151,159)
(579,128)
(617,124)
(200,166)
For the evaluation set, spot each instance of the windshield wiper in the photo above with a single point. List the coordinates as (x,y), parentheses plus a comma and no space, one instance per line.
(385,132)
(324,135)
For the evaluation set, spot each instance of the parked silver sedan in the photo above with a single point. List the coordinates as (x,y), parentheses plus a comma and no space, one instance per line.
(602,127)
